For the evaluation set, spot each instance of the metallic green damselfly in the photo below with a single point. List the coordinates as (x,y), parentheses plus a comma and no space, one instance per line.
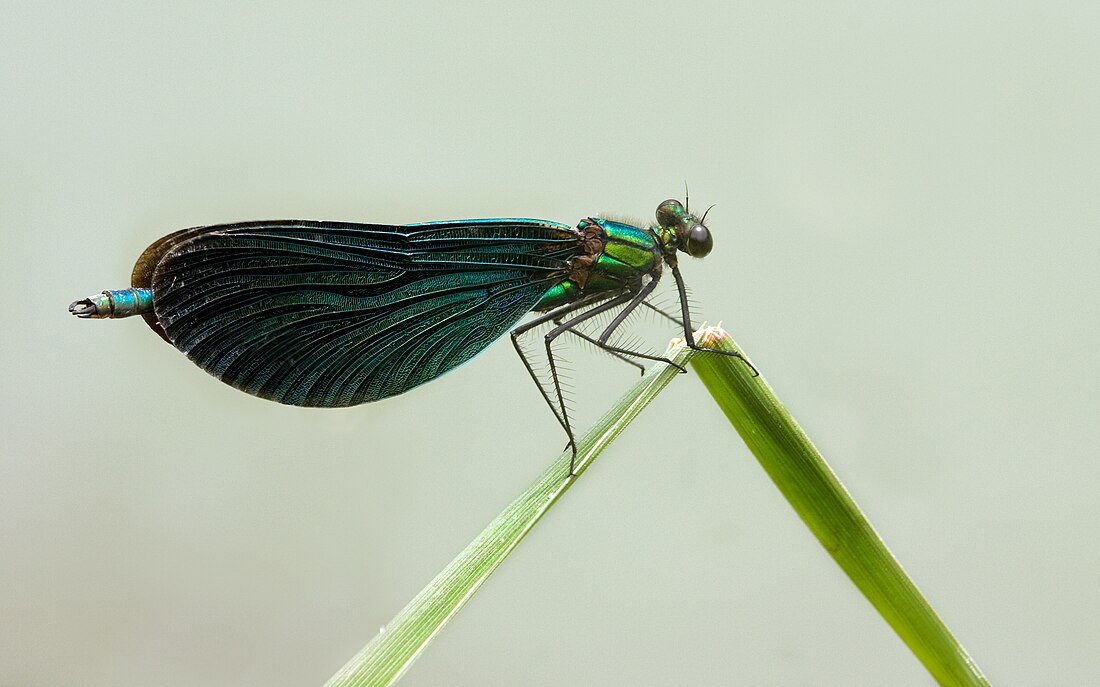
(331,314)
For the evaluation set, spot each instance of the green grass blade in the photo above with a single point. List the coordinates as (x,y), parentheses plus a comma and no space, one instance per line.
(386,658)
(807,482)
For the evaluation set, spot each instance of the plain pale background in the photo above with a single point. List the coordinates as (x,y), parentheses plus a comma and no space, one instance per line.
(906,242)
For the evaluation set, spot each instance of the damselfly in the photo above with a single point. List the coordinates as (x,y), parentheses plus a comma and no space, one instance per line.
(330,314)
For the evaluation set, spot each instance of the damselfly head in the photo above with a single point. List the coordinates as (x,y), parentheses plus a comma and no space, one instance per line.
(670,214)
(680,229)
(697,241)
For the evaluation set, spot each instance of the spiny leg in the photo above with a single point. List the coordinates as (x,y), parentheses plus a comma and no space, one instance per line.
(631,301)
(605,349)
(549,340)
(689,338)
(638,299)
(618,351)
(553,316)
(661,312)
(622,353)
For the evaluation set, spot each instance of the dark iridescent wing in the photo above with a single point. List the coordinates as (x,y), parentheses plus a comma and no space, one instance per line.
(335,314)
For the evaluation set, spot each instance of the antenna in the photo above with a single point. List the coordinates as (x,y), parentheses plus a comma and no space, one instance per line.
(704,218)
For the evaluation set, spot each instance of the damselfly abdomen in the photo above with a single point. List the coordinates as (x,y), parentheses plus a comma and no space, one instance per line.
(332,314)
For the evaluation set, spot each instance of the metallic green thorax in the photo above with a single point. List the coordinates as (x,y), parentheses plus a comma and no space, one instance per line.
(616,255)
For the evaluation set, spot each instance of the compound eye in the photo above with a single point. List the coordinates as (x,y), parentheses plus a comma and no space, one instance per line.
(669,213)
(698,241)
